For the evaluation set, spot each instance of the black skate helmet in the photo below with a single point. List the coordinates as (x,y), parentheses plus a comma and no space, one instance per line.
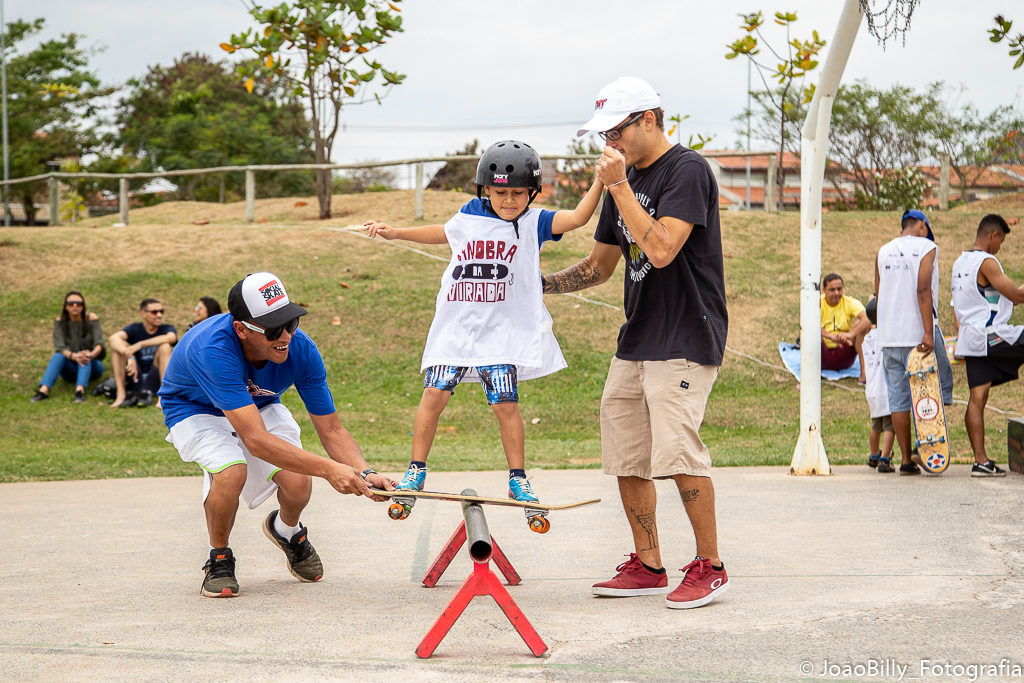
(509,163)
(872,310)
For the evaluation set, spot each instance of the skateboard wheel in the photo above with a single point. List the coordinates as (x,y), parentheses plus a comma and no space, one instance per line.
(539,524)
(397,511)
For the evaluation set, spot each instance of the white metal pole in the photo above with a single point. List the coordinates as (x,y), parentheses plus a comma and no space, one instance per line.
(809,456)
(3,96)
(748,132)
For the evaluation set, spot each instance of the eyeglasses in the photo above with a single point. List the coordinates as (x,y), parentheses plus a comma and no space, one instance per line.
(273,333)
(74,303)
(616,133)
(156,311)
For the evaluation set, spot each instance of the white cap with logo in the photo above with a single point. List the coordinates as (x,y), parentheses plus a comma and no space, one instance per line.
(261,298)
(619,99)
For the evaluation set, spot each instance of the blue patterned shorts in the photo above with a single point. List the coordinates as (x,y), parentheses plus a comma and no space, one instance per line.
(500,382)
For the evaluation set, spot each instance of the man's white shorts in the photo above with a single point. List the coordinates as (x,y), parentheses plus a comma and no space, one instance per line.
(210,442)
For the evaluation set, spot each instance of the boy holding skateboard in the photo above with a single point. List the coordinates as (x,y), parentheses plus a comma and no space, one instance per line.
(907,288)
(993,349)
(490,324)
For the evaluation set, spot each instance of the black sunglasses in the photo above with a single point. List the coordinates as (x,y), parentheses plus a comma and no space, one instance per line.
(155,311)
(274,333)
(74,303)
(616,133)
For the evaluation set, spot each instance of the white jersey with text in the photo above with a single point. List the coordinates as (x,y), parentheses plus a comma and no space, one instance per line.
(899,262)
(490,308)
(984,313)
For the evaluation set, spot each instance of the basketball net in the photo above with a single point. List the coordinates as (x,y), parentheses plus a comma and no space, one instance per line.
(888,18)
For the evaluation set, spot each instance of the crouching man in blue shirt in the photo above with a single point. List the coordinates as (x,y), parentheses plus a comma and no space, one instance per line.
(221,398)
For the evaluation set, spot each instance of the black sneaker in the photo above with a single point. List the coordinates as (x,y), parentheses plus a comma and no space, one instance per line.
(79,396)
(219,581)
(885,466)
(303,562)
(989,469)
(145,399)
(910,468)
(39,396)
(873,461)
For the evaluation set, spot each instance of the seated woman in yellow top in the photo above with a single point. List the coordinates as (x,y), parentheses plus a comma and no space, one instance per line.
(843,326)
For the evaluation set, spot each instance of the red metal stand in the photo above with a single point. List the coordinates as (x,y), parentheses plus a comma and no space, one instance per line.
(451,549)
(483,581)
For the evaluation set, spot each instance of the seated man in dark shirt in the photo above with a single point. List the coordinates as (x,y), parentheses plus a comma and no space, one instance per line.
(139,355)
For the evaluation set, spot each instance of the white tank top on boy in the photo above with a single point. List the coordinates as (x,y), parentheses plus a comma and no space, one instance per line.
(490,308)
(984,315)
(899,262)
(874,388)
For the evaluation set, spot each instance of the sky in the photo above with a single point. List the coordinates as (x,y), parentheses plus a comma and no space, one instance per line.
(531,69)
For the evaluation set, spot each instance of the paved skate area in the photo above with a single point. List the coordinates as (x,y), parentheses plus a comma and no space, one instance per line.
(99,580)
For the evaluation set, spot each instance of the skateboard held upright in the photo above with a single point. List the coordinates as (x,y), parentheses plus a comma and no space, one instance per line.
(931,439)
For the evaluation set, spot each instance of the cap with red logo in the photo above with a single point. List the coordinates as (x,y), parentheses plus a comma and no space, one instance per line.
(619,99)
(262,299)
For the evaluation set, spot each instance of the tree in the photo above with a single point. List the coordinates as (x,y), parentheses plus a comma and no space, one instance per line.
(577,176)
(764,119)
(876,133)
(798,60)
(457,175)
(973,141)
(367,179)
(52,96)
(196,114)
(1001,32)
(329,41)
(694,144)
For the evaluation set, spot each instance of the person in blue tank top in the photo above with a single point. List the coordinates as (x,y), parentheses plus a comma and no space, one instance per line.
(490,322)
(221,399)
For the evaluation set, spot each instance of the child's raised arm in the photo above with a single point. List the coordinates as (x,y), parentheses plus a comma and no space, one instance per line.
(570,219)
(424,234)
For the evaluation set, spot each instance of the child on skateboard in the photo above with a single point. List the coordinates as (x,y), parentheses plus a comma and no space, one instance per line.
(490,324)
(882,434)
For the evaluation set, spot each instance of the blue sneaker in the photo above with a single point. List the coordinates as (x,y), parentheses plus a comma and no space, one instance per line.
(413,480)
(519,489)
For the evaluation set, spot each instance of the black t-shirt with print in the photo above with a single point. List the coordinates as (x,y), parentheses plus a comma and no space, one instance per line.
(677,311)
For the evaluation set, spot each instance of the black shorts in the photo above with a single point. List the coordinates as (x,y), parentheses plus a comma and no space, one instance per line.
(1000,366)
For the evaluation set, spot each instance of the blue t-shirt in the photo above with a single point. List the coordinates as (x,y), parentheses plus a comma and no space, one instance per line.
(137,332)
(208,374)
(482,207)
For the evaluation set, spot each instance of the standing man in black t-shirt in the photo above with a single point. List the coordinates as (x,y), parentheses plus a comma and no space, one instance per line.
(663,219)
(139,355)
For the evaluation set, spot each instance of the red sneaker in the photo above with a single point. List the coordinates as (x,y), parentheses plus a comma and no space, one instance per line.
(633,579)
(701,584)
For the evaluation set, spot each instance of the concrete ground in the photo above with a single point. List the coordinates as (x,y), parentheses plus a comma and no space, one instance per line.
(852,576)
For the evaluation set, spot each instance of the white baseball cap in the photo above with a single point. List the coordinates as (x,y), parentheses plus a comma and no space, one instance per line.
(261,298)
(619,99)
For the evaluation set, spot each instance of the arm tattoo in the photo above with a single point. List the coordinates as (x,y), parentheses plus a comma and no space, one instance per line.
(572,279)
(690,495)
(654,222)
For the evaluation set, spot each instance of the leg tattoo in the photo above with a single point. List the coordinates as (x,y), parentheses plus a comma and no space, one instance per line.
(646,522)
(690,495)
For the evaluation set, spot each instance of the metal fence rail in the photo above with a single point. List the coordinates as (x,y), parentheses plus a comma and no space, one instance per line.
(53,179)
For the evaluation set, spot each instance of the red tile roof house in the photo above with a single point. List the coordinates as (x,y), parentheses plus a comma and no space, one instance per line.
(730,168)
(982,183)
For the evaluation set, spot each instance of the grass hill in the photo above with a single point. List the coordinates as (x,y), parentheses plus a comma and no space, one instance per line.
(383,294)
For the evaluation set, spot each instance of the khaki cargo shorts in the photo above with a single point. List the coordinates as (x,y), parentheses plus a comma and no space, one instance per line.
(651,413)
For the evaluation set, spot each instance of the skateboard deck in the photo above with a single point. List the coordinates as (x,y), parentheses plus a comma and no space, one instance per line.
(536,513)
(931,440)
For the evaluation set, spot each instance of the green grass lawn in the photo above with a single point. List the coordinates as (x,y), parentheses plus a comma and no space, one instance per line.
(384,297)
